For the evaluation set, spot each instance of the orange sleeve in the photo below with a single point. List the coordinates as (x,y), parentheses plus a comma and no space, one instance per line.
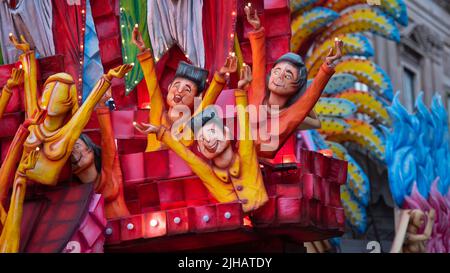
(297,112)
(258,89)
(156,98)
(30,68)
(111,182)
(4,100)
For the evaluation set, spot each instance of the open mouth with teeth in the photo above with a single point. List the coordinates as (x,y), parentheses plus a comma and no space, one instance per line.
(212,148)
(177,98)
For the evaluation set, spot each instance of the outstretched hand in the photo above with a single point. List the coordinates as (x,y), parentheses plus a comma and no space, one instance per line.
(138,40)
(23,45)
(230,65)
(16,78)
(252,18)
(119,72)
(146,128)
(333,59)
(246,77)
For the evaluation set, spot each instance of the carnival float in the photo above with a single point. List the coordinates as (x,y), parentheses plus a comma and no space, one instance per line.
(214,125)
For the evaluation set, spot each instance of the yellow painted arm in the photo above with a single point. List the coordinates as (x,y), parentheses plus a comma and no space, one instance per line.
(29,64)
(245,138)
(156,98)
(222,192)
(4,99)
(76,125)
(213,92)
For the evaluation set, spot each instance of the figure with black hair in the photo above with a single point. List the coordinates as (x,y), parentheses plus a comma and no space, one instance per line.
(101,165)
(189,82)
(229,173)
(283,92)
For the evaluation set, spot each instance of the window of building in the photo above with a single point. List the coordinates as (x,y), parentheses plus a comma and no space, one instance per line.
(409,88)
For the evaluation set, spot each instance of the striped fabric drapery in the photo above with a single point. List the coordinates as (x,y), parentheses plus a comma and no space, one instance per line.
(30,18)
(177,22)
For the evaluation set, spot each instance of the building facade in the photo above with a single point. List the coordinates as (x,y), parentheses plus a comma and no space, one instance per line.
(419,63)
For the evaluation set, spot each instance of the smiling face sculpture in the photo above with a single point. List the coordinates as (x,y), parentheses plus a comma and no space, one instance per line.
(288,78)
(189,82)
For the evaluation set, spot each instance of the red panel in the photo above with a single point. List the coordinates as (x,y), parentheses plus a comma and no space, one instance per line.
(134,206)
(177,166)
(270,5)
(203,219)
(102,7)
(109,49)
(131,228)
(155,224)
(177,221)
(132,168)
(335,195)
(156,165)
(170,192)
(9,124)
(148,195)
(195,191)
(338,171)
(289,210)
(229,216)
(123,124)
(321,165)
(289,190)
(266,214)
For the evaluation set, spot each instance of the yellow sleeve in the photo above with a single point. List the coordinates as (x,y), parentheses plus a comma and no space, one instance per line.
(155,95)
(80,119)
(4,99)
(221,191)
(213,92)
(245,138)
(29,64)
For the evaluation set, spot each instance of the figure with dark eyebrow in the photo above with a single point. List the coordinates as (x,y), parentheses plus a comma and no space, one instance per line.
(282,93)
(189,82)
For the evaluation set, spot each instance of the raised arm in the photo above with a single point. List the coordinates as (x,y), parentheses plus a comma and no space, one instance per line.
(29,65)
(111,183)
(258,44)
(246,143)
(218,83)
(15,80)
(148,66)
(305,104)
(77,123)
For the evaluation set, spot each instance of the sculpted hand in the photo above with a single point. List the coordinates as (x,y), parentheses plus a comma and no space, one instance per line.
(331,59)
(37,118)
(119,72)
(138,40)
(16,78)
(230,66)
(253,19)
(246,77)
(24,46)
(146,128)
